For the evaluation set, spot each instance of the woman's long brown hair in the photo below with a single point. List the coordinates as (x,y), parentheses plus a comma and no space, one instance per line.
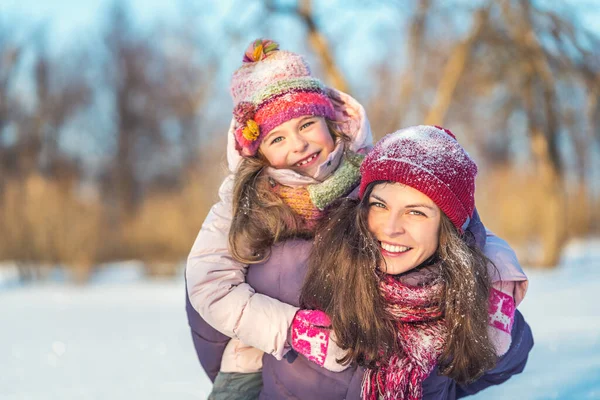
(343,281)
(260,217)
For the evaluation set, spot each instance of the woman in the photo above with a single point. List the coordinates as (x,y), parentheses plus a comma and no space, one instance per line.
(407,291)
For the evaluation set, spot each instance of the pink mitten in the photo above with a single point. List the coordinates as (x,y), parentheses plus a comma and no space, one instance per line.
(311,336)
(501,316)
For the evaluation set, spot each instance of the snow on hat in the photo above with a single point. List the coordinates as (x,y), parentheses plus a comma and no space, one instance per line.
(429,159)
(271,87)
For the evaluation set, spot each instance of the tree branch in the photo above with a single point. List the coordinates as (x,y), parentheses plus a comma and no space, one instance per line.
(454,69)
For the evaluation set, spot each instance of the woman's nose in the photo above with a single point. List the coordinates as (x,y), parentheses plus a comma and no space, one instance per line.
(394,226)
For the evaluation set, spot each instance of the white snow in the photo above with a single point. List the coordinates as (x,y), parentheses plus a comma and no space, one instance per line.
(126,337)
(562,308)
(104,341)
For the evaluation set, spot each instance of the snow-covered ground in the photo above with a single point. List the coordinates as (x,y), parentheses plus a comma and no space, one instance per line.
(562,308)
(123,337)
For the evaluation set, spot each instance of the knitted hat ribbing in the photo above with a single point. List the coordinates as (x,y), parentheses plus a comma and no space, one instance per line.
(270,88)
(428,159)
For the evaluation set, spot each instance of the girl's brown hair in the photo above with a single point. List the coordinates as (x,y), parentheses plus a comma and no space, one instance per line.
(343,280)
(260,217)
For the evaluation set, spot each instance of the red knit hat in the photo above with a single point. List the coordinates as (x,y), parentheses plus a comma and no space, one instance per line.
(429,159)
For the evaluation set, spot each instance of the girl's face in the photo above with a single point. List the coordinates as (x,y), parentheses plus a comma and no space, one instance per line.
(406,223)
(300,144)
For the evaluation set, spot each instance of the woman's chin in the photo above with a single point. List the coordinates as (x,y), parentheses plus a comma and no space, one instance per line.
(393,268)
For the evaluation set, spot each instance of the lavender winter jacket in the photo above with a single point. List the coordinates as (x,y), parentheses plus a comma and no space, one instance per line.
(295,377)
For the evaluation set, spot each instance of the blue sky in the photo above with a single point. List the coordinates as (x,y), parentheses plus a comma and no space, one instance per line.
(68,16)
(76,20)
(68,20)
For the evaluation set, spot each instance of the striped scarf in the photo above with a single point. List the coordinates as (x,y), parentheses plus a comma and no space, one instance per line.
(421,337)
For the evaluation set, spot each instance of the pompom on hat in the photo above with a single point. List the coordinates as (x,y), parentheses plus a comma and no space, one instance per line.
(430,160)
(272,87)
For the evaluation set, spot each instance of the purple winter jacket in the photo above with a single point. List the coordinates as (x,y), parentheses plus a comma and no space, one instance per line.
(295,377)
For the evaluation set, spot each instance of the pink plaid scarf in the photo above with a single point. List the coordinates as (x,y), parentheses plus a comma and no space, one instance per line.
(421,337)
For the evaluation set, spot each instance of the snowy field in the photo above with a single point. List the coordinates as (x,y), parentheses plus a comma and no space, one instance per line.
(123,337)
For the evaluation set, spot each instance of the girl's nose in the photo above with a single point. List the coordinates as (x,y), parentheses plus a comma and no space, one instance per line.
(299,143)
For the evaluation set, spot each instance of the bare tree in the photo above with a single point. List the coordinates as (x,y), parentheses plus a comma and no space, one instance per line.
(136,113)
(454,69)
(317,40)
(411,76)
(153,86)
(10,54)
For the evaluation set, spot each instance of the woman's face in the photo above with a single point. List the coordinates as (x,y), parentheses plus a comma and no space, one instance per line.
(406,223)
(301,144)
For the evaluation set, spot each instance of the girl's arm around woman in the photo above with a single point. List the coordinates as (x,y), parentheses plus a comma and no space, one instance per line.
(217,288)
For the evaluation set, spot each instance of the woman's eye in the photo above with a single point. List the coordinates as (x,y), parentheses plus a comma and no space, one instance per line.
(277,139)
(306,125)
(377,204)
(415,212)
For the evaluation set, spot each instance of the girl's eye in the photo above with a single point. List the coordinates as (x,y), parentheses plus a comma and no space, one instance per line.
(277,139)
(306,125)
(376,204)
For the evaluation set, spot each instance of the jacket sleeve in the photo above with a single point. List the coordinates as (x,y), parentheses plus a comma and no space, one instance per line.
(218,291)
(501,315)
(506,266)
(512,363)
(509,288)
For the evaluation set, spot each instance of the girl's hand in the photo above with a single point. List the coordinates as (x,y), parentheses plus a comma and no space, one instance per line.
(501,315)
(311,336)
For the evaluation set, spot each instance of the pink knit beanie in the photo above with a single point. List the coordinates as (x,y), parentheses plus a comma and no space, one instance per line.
(429,159)
(270,88)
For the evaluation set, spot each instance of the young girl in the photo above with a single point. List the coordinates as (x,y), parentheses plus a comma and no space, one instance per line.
(294,146)
(405,290)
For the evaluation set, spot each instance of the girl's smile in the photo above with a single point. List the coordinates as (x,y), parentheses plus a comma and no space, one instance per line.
(307,161)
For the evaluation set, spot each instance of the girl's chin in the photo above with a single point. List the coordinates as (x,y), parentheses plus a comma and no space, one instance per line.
(309,173)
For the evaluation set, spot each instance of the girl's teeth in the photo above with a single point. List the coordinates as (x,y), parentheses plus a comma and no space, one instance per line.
(394,249)
(307,160)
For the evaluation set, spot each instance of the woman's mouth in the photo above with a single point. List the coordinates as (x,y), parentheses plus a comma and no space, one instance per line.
(391,249)
(308,160)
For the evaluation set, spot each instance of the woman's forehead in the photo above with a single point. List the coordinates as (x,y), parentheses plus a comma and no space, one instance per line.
(401,194)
